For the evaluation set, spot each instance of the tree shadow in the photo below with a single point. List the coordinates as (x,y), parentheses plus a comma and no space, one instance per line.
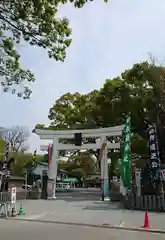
(78,199)
(103,207)
(92,203)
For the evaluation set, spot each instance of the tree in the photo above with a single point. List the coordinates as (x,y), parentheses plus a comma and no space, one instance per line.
(138,90)
(18,139)
(22,160)
(2,145)
(35,22)
(79,165)
(72,111)
(40,126)
(81,3)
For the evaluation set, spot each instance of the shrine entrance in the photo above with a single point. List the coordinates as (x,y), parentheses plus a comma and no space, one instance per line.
(102,142)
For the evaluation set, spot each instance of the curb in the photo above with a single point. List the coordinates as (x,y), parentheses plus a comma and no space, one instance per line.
(90,225)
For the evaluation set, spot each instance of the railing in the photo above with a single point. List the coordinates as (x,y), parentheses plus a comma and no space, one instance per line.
(147,203)
(8,207)
(21,195)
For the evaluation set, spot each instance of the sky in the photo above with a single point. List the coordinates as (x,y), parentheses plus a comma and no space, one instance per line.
(107,39)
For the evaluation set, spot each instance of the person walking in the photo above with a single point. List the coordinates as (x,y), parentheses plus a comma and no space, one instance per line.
(38,188)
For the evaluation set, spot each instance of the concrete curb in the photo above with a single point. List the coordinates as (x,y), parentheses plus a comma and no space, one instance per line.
(91,225)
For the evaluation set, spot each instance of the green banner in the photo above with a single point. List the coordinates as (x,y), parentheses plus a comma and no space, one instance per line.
(126,158)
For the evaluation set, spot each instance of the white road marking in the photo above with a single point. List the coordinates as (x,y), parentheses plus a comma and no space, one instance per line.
(121,224)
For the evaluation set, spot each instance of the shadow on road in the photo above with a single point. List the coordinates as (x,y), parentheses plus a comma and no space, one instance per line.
(91,201)
(109,206)
(79,196)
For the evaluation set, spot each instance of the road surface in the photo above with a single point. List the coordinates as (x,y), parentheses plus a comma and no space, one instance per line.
(38,231)
(83,206)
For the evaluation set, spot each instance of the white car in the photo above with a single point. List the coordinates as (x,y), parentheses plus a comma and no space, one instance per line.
(67,186)
(60,187)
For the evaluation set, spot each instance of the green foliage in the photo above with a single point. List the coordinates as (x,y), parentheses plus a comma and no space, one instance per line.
(139,90)
(35,22)
(21,161)
(81,3)
(70,109)
(40,126)
(80,165)
(2,145)
(139,145)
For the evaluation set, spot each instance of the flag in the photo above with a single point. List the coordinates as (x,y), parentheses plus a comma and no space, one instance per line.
(154,154)
(6,156)
(49,155)
(34,157)
(126,158)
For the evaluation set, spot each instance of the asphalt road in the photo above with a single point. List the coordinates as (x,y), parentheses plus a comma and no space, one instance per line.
(15,230)
(83,206)
(81,193)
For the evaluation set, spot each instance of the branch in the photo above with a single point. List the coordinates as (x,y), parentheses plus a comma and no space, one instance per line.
(17,28)
(73,154)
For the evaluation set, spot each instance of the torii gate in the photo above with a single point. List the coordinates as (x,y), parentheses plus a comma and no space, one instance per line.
(103,145)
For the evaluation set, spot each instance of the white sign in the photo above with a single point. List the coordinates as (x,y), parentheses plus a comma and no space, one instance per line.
(154,164)
(13,195)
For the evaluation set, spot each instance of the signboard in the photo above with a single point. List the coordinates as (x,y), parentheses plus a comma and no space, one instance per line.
(154,154)
(13,195)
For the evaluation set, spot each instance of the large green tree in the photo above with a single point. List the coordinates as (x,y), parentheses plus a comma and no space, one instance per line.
(35,22)
(72,111)
(139,90)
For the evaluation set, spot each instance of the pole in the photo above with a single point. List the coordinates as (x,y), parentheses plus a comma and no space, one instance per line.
(4,168)
(104,169)
(25,185)
(106,177)
(49,155)
(34,157)
(53,167)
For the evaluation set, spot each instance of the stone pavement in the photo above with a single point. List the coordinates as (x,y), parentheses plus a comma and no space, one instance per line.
(40,231)
(89,212)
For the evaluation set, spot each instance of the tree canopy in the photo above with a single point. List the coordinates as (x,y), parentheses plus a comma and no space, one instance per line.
(139,90)
(80,165)
(35,22)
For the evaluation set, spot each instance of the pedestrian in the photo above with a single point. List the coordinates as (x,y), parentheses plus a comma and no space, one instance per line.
(38,188)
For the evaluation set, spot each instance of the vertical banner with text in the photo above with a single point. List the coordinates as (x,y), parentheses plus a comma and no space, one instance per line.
(153,154)
(126,159)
